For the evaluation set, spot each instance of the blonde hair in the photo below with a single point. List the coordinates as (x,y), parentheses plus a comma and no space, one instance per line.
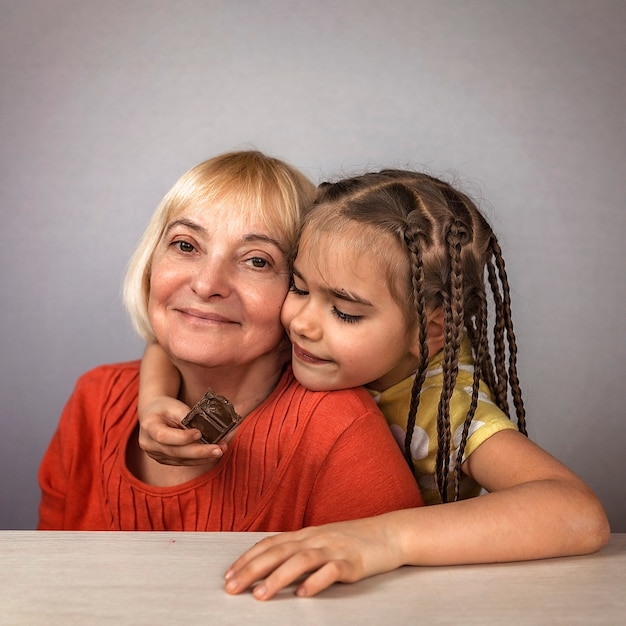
(276,192)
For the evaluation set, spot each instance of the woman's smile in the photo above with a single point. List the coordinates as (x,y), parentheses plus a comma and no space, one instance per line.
(199,315)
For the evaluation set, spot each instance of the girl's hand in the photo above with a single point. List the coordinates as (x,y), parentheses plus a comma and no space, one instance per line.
(163,438)
(341,552)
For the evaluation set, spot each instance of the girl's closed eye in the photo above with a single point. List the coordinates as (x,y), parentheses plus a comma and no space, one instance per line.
(345,317)
(295,290)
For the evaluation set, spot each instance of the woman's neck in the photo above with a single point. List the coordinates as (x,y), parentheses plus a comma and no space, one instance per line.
(245,386)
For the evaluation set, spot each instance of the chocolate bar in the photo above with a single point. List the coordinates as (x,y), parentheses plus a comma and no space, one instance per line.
(214,416)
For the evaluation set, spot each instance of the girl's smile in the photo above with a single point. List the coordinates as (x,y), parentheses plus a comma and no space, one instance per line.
(299,353)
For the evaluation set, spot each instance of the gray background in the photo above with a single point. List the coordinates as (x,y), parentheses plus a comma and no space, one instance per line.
(104,104)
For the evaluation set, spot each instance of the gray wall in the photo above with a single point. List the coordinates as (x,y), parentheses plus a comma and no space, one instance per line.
(104,104)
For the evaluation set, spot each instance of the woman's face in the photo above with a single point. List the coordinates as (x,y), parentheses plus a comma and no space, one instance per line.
(218,281)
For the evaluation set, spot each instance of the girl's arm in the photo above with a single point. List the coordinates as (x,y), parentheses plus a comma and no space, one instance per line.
(161,435)
(536,508)
(158,376)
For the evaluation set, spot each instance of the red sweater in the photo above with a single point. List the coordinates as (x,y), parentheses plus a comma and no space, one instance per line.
(301,458)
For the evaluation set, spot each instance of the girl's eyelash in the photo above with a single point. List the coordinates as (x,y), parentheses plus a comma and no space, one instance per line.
(298,292)
(340,315)
(344,317)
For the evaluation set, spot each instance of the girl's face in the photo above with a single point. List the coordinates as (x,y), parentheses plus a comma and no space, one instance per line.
(344,325)
(217,283)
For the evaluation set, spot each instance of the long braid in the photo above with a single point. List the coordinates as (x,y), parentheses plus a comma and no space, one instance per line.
(501,381)
(443,426)
(486,367)
(453,328)
(412,241)
(473,334)
(508,321)
(456,204)
(481,351)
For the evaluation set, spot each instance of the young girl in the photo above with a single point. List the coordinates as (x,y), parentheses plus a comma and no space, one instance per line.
(390,290)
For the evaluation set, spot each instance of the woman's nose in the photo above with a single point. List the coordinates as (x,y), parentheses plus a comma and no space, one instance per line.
(211,278)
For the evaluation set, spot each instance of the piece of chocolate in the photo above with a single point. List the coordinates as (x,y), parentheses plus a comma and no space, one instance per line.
(214,416)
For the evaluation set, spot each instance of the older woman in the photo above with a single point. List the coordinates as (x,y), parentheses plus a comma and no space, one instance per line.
(207,282)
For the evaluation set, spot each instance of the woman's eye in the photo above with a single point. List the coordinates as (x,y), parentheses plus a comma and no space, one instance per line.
(344,317)
(183,246)
(258,262)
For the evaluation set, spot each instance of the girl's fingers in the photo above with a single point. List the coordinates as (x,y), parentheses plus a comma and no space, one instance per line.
(176,446)
(276,568)
(169,436)
(281,560)
(322,570)
(324,577)
(256,550)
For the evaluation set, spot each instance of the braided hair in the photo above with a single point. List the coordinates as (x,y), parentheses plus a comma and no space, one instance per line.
(451,254)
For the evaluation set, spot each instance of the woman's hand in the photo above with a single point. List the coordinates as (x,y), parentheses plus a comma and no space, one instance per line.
(341,552)
(163,438)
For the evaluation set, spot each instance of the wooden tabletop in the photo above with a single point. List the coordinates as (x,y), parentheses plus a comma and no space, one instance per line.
(177,578)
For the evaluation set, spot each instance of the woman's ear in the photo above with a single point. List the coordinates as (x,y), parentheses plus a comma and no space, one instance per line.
(434,333)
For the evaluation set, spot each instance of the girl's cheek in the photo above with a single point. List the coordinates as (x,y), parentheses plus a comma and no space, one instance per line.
(286,314)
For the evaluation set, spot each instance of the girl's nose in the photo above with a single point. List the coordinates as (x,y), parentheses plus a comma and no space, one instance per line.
(307,323)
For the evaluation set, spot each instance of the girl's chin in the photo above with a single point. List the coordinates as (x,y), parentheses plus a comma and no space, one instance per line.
(314,383)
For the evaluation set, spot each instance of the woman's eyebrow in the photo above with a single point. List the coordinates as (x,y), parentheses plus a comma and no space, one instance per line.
(247,238)
(185,222)
(252,237)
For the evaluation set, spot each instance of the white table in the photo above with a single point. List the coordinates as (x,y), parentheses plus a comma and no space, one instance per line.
(177,578)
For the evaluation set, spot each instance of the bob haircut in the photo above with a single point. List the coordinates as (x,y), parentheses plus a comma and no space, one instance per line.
(267,187)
